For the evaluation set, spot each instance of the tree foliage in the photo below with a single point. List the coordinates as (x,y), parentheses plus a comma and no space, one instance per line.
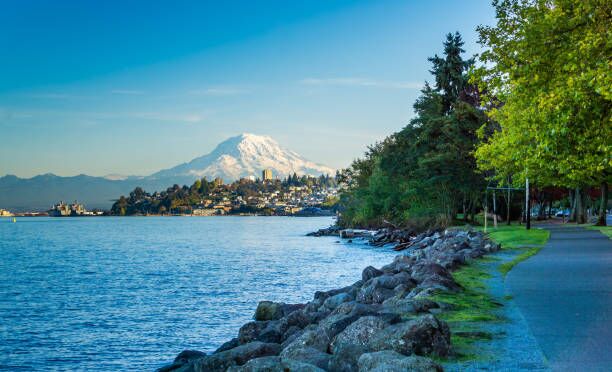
(549,63)
(425,172)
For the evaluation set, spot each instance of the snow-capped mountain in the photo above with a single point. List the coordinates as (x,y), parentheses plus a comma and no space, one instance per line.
(246,155)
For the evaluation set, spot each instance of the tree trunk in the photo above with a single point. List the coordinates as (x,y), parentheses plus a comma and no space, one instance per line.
(508,204)
(472,212)
(579,202)
(601,221)
(572,196)
(550,208)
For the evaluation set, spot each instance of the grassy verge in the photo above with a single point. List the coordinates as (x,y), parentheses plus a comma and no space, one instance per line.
(516,236)
(466,311)
(606,230)
(507,266)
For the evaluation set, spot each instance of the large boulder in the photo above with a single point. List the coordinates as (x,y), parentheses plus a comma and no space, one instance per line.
(274,364)
(228,345)
(268,310)
(391,361)
(400,263)
(369,273)
(423,270)
(334,301)
(407,306)
(373,292)
(310,347)
(308,355)
(358,334)
(349,344)
(182,359)
(234,357)
(336,323)
(425,335)
(310,338)
(264,331)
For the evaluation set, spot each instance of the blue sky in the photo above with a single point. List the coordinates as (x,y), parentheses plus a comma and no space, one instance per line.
(131,87)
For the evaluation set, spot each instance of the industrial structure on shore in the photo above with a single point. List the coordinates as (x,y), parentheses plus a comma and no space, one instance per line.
(67,210)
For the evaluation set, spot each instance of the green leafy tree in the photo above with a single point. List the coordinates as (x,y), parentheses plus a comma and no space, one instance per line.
(549,63)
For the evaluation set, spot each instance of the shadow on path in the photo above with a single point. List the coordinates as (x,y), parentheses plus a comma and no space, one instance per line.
(565,295)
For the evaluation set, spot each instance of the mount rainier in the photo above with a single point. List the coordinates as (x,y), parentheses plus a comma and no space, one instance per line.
(244,156)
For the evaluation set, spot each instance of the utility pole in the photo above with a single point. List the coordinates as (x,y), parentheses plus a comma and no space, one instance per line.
(527,210)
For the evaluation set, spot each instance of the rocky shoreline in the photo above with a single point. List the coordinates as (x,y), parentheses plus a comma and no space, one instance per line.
(386,321)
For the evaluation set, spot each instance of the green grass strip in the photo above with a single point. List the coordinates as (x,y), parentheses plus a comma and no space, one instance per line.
(507,266)
(606,230)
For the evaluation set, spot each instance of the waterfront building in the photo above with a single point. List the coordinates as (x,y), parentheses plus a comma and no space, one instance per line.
(64,210)
(5,213)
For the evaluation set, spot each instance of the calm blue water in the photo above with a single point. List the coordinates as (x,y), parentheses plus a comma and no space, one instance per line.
(130,293)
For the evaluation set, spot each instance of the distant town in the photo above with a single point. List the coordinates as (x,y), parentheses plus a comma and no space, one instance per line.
(292,196)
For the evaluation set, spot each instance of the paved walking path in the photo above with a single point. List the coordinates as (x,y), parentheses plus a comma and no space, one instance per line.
(565,294)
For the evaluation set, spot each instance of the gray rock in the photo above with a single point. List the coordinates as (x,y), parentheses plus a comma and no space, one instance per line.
(345,360)
(228,345)
(290,332)
(188,355)
(182,359)
(441,283)
(234,357)
(291,365)
(306,354)
(372,292)
(404,306)
(354,341)
(300,319)
(274,364)
(311,338)
(290,337)
(391,361)
(315,304)
(259,331)
(400,263)
(268,310)
(423,270)
(425,335)
(358,334)
(323,295)
(334,324)
(263,364)
(369,273)
(334,301)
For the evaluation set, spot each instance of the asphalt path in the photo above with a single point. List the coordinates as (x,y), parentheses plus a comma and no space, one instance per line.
(565,295)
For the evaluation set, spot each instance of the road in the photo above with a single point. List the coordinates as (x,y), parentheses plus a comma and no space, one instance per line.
(565,294)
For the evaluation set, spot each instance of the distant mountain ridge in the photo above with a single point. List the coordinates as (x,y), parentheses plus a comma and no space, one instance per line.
(237,157)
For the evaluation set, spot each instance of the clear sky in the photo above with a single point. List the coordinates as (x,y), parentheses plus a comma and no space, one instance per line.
(131,87)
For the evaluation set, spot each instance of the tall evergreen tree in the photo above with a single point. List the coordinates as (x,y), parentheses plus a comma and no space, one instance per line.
(426,171)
